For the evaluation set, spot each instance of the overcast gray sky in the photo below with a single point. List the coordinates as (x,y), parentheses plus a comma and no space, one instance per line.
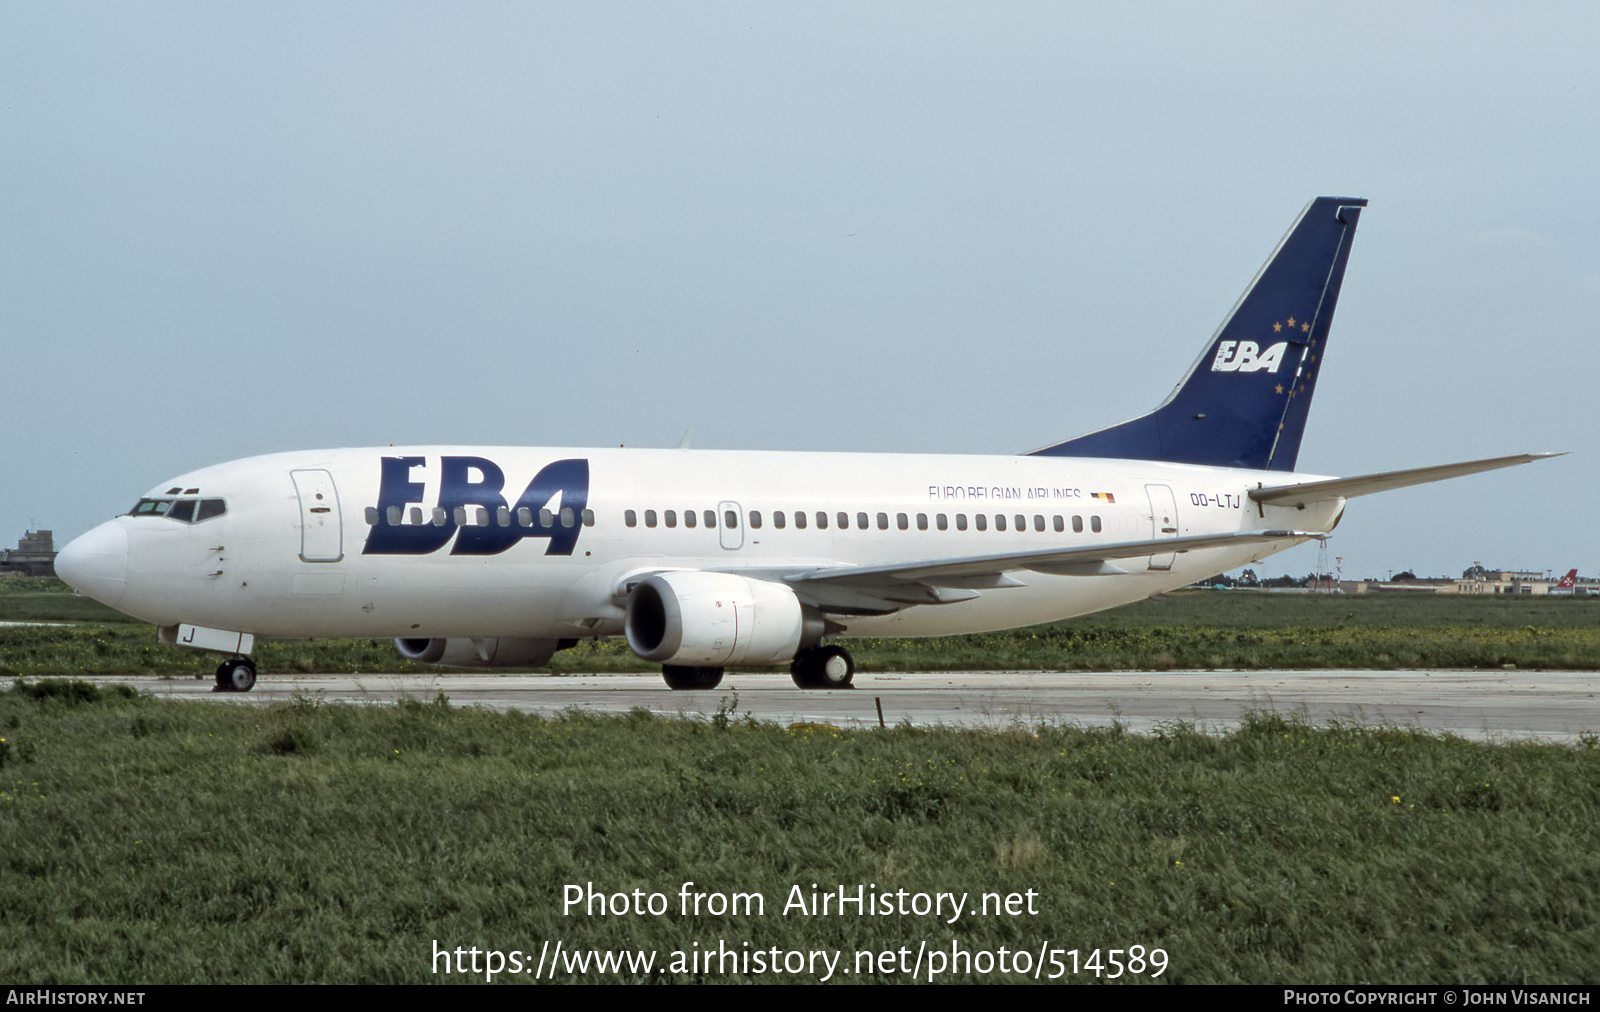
(235,229)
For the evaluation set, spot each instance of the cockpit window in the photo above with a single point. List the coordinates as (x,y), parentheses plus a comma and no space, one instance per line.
(151,508)
(189,511)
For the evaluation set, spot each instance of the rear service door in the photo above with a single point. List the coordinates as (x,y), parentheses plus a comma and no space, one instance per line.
(1163,520)
(321,525)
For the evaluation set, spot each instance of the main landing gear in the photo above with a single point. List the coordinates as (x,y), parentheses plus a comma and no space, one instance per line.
(827,667)
(679,677)
(236,674)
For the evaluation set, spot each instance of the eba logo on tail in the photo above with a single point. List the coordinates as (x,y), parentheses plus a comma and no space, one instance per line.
(1245,356)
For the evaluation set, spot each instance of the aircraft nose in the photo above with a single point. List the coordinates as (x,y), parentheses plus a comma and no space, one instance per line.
(96,564)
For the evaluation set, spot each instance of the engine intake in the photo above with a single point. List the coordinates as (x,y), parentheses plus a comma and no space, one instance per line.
(716,620)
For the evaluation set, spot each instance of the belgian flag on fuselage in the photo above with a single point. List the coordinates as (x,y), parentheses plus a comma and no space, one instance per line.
(1244,403)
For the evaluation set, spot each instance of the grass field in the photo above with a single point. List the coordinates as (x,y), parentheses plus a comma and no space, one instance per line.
(1197,630)
(147,841)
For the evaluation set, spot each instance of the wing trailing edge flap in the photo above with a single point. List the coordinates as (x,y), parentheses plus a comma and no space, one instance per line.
(1306,493)
(888,588)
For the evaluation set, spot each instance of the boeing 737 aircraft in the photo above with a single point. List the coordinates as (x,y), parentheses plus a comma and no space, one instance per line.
(703,560)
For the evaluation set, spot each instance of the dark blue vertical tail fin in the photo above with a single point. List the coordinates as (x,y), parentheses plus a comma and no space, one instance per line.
(1244,403)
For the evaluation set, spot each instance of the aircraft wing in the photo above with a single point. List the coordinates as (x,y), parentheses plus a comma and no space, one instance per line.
(1309,492)
(887,588)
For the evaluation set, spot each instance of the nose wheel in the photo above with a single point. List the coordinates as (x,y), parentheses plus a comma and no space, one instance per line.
(829,667)
(237,674)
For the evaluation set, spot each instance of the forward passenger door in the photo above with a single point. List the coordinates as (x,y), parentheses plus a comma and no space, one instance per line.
(321,523)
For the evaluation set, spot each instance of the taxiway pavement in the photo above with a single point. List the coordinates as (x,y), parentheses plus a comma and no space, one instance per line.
(1494,705)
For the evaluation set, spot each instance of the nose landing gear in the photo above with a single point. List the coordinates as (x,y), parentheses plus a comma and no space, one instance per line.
(237,674)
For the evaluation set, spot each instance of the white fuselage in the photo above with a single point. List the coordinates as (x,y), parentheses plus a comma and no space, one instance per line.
(280,562)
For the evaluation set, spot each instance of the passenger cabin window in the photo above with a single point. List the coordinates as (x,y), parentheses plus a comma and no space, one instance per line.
(844,521)
(1077,525)
(649,518)
(922,521)
(588,518)
(1094,524)
(689,518)
(1038,522)
(961,521)
(524,516)
(999,521)
(630,518)
(711,519)
(502,516)
(671,517)
(1022,522)
(1060,525)
(567,516)
(799,520)
(778,520)
(730,519)
(822,521)
(755,519)
(861,521)
(943,522)
(981,521)
(883,521)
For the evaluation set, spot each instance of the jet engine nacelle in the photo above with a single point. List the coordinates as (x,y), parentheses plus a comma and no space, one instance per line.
(715,620)
(489,652)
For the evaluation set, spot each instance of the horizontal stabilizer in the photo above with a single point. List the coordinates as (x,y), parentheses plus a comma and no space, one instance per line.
(1348,488)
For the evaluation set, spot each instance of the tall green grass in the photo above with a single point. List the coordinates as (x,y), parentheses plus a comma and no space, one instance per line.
(47,599)
(145,841)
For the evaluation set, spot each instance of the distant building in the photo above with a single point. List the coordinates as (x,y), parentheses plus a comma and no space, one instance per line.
(1476,580)
(34,555)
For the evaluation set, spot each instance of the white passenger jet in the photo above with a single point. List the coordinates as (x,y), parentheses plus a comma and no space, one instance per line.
(703,560)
